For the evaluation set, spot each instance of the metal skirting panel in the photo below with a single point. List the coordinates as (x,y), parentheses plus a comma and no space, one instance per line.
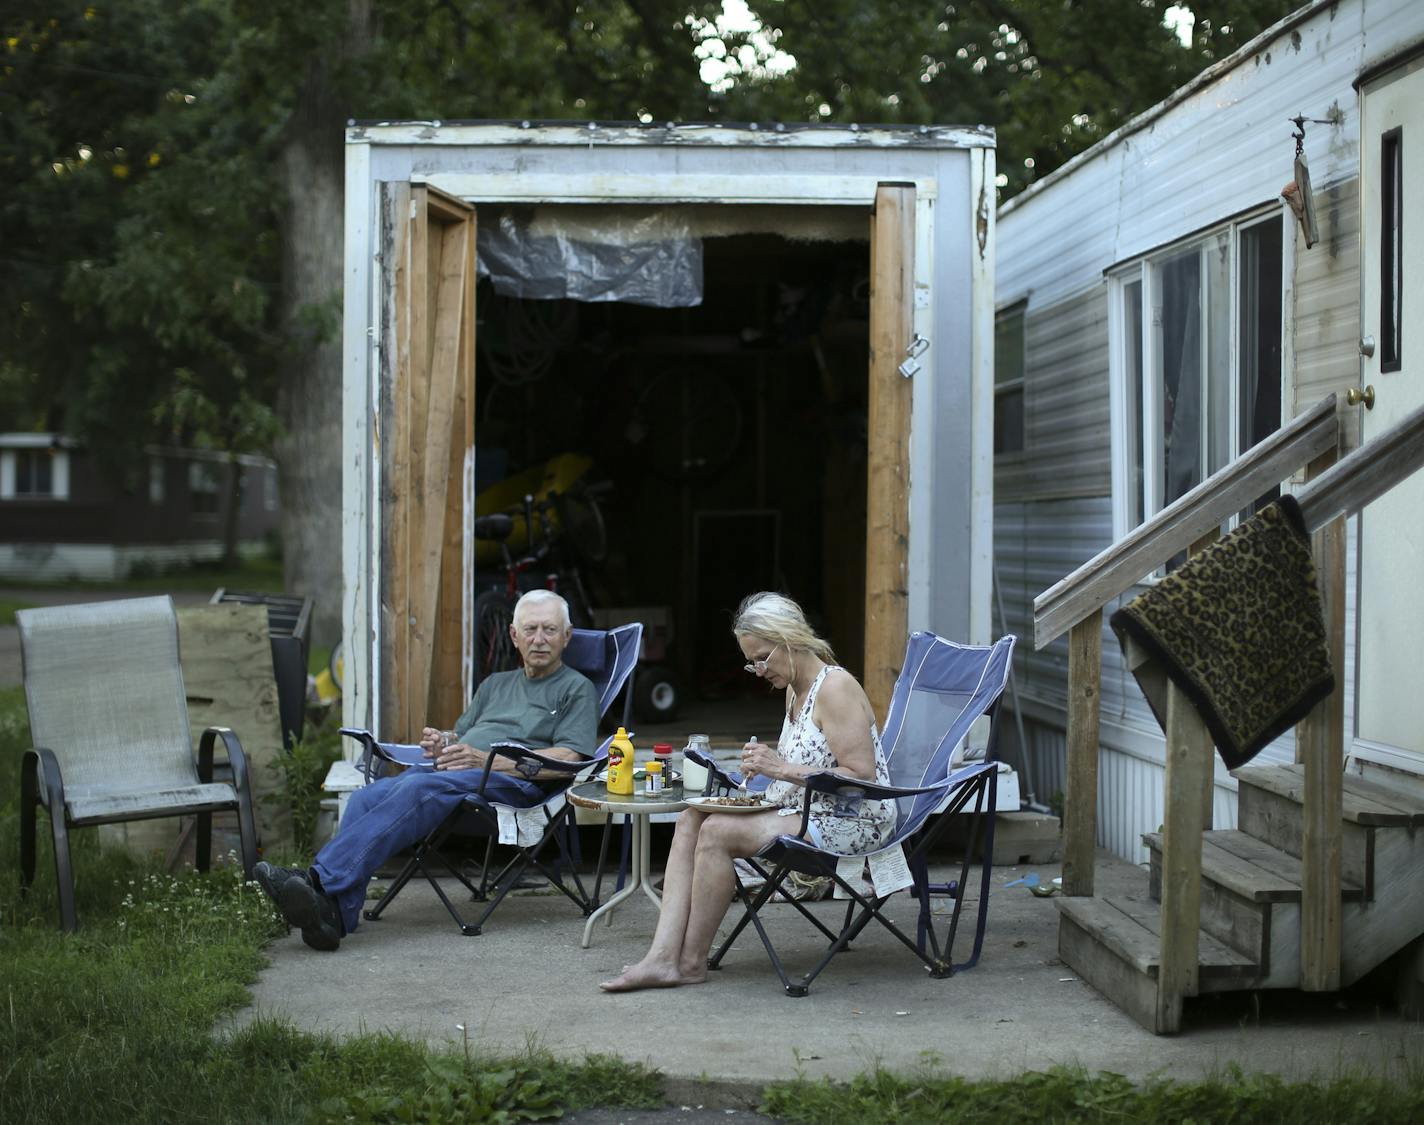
(1130,791)
(1131,801)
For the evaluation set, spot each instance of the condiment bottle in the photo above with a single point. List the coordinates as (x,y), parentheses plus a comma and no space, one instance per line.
(662,752)
(620,764)
(653,778)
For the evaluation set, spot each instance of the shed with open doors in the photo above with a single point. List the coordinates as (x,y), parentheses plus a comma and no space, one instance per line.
(771,346)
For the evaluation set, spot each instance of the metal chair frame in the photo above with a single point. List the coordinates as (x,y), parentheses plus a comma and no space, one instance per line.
(971,788)
(477,816)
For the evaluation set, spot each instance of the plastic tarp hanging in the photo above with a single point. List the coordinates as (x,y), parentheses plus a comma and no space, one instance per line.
(640,256)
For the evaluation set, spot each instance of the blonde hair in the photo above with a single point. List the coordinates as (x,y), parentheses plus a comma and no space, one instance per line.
(775,617)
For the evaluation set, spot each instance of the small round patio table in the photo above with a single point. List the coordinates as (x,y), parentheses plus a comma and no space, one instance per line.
(637,808)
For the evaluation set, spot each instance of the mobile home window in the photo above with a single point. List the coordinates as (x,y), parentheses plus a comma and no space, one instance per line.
(36,473)
(156,470)
(1391,246)
(1009,381)
(1197,364)
(204,482)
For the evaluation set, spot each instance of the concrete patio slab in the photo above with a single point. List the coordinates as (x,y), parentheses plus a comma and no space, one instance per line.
(526,981)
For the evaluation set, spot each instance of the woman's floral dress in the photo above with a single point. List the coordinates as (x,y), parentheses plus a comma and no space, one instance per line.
(856,827)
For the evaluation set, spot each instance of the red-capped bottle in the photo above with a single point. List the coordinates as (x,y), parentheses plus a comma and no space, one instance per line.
(662,752)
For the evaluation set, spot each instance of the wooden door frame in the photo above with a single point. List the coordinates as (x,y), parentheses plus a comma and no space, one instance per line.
(367,701)
(887,510)
(427,392)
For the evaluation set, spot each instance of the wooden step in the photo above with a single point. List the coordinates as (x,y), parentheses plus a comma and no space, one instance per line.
(1405,803)
(1250,900)
(1250,868)
(1114,943)
(1365,803)
(1268,807)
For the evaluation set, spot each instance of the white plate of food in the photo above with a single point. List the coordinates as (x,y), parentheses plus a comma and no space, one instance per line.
(728,804)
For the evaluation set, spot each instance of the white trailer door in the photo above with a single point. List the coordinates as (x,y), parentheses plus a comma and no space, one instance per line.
(1390,619)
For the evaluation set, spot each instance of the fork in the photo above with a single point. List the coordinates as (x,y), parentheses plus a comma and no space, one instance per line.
(742,785)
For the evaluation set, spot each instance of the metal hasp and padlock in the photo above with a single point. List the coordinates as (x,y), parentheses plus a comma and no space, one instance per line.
(917,347)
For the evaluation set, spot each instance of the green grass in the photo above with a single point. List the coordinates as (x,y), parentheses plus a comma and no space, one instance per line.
(116,1024)
(8,608)
(1065,1094)
(261,575)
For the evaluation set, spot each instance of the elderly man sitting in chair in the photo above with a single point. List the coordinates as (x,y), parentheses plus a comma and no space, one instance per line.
(544,704)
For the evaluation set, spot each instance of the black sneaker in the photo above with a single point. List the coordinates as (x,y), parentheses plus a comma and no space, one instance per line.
(313,913)
(272,878)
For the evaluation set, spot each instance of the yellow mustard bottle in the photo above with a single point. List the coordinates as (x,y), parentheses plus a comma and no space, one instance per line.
(620,764)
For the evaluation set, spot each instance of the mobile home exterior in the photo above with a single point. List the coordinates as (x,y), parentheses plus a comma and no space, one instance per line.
(64,516)
(1154,297)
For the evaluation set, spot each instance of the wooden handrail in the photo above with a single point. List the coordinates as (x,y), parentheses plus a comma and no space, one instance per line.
(1367,473)
(1123,564)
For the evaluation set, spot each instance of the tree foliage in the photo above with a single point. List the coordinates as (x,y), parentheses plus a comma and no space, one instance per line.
(138,238)
(141,286)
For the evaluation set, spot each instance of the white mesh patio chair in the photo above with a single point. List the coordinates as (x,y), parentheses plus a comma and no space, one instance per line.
(111,742)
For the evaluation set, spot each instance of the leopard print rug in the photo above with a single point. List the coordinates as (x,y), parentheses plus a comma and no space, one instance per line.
(1239,629)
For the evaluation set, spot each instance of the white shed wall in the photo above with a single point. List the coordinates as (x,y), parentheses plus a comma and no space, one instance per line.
(951,487)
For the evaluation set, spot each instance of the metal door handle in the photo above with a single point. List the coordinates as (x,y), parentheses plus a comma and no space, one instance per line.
(1356,395)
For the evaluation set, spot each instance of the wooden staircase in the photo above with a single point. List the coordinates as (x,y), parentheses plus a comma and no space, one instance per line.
(1250,901)
(1323,880)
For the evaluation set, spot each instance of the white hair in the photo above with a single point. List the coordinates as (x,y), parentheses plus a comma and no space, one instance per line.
(542,597)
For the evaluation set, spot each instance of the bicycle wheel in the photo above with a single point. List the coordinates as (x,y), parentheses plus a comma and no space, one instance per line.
(494,650)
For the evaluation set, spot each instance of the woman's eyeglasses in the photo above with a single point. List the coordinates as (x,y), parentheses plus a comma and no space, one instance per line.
(758,667)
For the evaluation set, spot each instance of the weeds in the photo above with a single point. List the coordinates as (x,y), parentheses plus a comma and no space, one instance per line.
(1064,1094)
(8,608)
(301,773)
(115,1022)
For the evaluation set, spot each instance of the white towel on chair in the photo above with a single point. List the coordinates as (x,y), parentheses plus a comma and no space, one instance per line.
(888,871)
(525,827)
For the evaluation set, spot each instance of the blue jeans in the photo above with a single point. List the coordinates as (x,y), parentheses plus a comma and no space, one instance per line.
(394,813)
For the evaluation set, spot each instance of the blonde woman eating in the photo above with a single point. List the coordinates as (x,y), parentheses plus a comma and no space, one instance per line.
(828,725)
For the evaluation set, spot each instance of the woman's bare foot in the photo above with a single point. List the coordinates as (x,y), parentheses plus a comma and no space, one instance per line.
(650,975)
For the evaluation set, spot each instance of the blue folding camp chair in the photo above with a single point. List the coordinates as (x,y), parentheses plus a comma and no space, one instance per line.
(942,690)
(608,659)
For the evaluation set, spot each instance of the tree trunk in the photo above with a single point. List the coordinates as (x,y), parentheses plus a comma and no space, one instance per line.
(312,173)
(233,514)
